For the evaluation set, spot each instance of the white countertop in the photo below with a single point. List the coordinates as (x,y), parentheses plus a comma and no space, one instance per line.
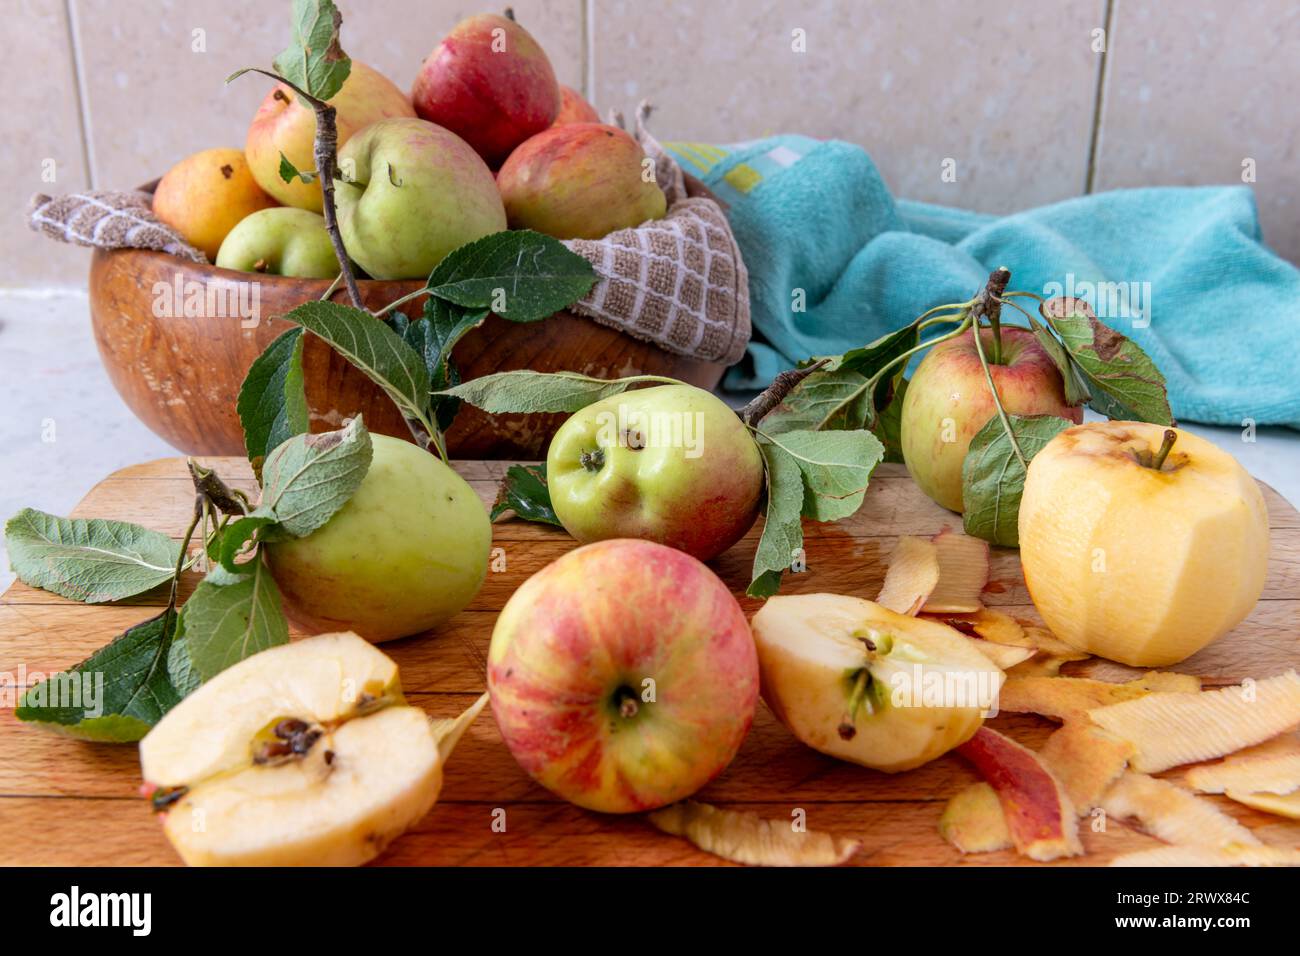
(63,427)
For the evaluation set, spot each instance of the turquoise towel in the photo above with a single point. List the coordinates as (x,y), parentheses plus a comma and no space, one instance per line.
(1182,271)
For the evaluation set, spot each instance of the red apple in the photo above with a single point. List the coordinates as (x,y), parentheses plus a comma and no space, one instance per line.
(623,676)
(490,83)
(580,181)
(948,401)
(574,109)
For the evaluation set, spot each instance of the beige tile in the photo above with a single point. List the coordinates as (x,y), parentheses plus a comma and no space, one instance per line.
(153,99)
(39,126)
(1192,93)
(1007,89)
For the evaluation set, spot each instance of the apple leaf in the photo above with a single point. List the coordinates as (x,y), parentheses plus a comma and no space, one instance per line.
(272,403)
(116,694)
(993,474)
(434,335)
(870,359)
(782,537)
(309,477)
(1075,387)
(889,423)
(374,348)
(525,391)
(1123,381)
(524,492)
(180,668)
(315,60)
(226,546)
(232,616)
(90,560)
(289,172)
(836,467)
(519,274)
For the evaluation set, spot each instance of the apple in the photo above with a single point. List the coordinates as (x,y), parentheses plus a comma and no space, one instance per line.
(413,192)
(1139,555)
(574,109)
(580,181)
(948,401)
(205,195)
(283,241)
(857,681)
(284,125)
(623,676)
(671,464)
(490,83)
(406,552)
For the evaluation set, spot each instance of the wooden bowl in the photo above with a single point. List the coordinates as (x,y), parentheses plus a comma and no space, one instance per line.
(181,373)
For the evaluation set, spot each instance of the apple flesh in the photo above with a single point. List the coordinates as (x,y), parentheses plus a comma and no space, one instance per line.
(580,181)
(204,196)
(406,552)
(857,681)
(948,401)
(284,125)
(671,464)
(414,193)
(623,676)
(490,83)
(574,109)
(281,242)
(1140,564)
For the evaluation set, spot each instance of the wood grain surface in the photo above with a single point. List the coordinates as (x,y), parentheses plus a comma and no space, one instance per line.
(67,802)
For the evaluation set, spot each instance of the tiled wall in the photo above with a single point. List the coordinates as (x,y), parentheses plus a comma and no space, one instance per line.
(109,93)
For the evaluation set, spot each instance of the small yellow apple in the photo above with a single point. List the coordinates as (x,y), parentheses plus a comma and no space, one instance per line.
(1139,543)
(204,196)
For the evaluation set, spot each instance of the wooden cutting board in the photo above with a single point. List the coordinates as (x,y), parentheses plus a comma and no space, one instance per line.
(66,802)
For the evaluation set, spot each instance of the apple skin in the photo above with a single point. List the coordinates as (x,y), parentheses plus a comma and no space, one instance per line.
(574,109)
(572,648)
(206,195)
(407,552)
(418,192)
(284,125)
(1185,549)
(701,505)
(950,383)
(579,181)
(283,241)
(493,99)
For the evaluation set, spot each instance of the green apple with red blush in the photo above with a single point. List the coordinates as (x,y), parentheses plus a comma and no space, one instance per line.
(948,400)
(623,676)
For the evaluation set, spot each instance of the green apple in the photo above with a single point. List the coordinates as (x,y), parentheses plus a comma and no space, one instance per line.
(283,241)
(408,550)
(411,193)
(671,464)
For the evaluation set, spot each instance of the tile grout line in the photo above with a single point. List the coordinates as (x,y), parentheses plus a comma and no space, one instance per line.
(79,81)
(1098,102)
(588,50)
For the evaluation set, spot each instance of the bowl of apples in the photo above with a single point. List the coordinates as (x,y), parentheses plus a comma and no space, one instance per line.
(487,140)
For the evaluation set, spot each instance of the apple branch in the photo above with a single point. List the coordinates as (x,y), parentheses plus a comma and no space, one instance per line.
(775,393)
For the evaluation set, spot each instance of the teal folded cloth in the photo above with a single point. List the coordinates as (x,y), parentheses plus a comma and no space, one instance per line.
(1182,271)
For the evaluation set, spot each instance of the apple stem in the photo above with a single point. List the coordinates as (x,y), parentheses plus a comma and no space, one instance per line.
(775,393)
(997,399)
(1166,446)
(988,305)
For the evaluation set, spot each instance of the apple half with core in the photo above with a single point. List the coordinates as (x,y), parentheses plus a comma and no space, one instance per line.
(1140,543)
(862,683)
(406,552)
(623,676)
(283,241)
(948,401)
(671,464)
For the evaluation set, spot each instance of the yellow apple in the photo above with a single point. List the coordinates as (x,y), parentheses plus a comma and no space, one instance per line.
(1138,559)
(284,125)
(204,196)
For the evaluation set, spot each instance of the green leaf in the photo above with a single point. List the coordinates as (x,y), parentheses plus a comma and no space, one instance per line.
(824,400)
(230,617)
(116,694)
(180,668)
(993,477)
(836,467)
(310,477)
(272,402)
(1123,380)
(374,348)
(314,60)
(521,275)
(889,423)
(524,491)
(227,546)
(434,335)
(88,560)
(289,172)
(870,359)
(1075,388)
(525,391)
(782,534)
